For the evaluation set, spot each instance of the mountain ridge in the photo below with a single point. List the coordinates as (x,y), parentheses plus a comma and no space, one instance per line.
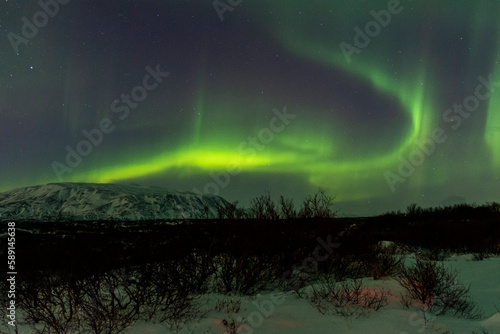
(104,201)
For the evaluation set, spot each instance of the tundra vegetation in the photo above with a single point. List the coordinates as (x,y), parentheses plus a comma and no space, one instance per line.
(102,277)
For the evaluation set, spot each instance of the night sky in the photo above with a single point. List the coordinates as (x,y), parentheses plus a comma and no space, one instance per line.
(381,103)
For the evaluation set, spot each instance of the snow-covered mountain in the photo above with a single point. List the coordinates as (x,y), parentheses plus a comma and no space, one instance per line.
(91,201)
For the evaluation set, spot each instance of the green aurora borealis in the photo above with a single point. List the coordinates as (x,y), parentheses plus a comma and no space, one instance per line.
(351,122)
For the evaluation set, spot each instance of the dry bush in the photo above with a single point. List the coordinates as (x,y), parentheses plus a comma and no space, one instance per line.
(385,261)
(437,289)
(51,303)
(232,326)
(245,275)
(287,208)
(231,306)
(314,206)
(263,207)
(318,205)
(112,302)
(345,266)
(347,298)
(231,211)
(108,302)
(170,298)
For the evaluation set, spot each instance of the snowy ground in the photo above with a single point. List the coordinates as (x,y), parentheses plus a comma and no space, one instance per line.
(279,312)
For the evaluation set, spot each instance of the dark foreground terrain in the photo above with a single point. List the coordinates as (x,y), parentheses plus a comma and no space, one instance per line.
(160,266)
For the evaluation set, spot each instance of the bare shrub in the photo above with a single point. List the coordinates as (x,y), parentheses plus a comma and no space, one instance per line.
(232,326)
(102,303)
(344,266)
(111,303)
(263,207)
(413,210)
(287,209)
(314,206)
(347,298)
(193,272)
(231,306)
(169,296)
(318,205)
(384,261)
(296,280)
(406,300)
(437,289)
(231,211)
(52,301)
(246,275)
